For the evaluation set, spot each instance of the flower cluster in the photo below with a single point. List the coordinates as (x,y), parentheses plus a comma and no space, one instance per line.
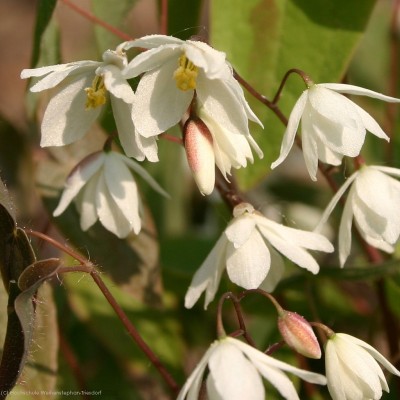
(192,84)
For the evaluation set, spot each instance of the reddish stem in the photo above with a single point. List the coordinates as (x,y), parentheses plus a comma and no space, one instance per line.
(88,267)
(91,17)
(391,108)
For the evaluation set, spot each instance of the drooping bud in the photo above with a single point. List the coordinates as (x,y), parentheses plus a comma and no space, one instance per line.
(200,154)
(298,334)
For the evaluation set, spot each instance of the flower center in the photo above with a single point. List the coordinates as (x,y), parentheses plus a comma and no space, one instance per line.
(96,94)
(186,74)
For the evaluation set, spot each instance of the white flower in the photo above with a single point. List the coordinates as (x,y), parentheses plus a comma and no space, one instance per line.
(351,369)
(103,188)
(374,201)
(246,250)
(174,70)
(234,373)
(208,143)
(332,126)
(80,92)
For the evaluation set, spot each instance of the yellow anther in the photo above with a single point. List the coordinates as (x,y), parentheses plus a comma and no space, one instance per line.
(96,94)
(186,74)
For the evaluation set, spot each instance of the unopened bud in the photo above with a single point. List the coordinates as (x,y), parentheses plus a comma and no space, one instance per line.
(298,334)
(200,154)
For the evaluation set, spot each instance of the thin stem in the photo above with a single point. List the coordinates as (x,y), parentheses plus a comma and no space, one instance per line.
(170,138)
(91,17)
(261,98)
(89,268)
(164,17)
(391,108)
(307,80)
(239,315)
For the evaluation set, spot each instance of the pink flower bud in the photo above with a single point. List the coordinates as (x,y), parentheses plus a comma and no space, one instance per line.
(298,334)
(200,154)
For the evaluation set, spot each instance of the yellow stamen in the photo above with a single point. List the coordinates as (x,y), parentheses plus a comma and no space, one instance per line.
(186,74)
(96,94)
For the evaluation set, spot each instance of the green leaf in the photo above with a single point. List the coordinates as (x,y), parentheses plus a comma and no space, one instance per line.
(44,13)
(114,13)
(263,39)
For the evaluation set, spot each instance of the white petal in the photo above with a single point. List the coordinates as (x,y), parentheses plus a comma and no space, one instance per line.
(144,174)
(374,353)
(192,386)
(308,240)
(234,376)
(248,265)
(57,73)
(258,358)
(387,170)
(293,124)
(334,201)
(222,105)
(333,106)
(211,61)
(153,59)
(66,118)
(309,147)
(208,276)
(345,236)
(236,88)
(152,41)
(240,229)
(370,124)
(109,214)
(344,138)
(351,89)
(115,83)
(333,369)
(326,155)
(275,273)
(159,104)
(78,179)
(87,203)
(123,189)
(133,144)
(290,250)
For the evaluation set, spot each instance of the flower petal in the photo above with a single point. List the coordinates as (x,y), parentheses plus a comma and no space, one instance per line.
(370,124)
(87,202)
(66,118)
(240,228)
(123,189)
(159,104)
(115,83)
(192,386)
(345,236)
(293,124)
(144,174)
(211,61)
(208,276)
(275,273)
(153,59)
(351,89)
(234,376)
(57,73)
(152,41)
(109,214)
(132,142)
(248,265)
(332,204)
(78,178)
